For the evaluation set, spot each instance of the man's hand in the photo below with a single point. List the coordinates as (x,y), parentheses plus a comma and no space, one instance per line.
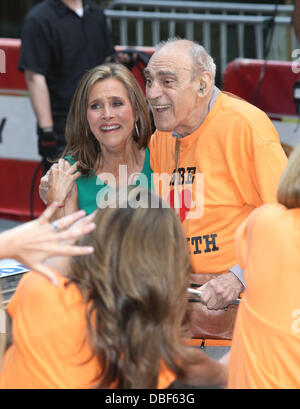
(219,292)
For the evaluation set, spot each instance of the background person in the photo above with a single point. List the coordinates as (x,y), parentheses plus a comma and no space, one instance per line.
(61,40)
(108,126)
(115,318)
(266,341)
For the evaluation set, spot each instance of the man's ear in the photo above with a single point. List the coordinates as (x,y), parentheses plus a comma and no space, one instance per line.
(205,83)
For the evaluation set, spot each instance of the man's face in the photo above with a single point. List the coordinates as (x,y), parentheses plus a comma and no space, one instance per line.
(171,92)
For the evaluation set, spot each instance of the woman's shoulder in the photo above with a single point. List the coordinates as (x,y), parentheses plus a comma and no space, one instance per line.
(269,217)
(35,293)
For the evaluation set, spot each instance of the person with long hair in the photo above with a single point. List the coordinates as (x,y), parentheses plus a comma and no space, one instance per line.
(116,317)
(33,242)
(266,339)
(108,131)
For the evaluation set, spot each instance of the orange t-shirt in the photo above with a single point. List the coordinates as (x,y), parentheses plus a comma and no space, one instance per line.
(50,338)
(265,349)
(230,165)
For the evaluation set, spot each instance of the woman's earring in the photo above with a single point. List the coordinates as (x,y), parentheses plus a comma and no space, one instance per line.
(137,130)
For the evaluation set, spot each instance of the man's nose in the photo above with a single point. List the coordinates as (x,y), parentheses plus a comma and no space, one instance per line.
(154,91)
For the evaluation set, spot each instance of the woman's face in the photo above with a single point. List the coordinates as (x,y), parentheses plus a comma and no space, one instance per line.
(110,114)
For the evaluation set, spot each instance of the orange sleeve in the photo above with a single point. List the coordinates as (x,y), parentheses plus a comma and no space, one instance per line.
(269,163)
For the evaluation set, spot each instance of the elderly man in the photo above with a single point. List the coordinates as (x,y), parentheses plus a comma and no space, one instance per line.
(222,156)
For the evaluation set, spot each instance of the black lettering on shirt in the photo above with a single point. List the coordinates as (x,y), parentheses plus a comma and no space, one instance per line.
(197,240)
(210,242)
(186,176)
(190,175)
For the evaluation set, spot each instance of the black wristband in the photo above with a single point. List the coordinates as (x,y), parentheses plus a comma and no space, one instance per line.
(47,143)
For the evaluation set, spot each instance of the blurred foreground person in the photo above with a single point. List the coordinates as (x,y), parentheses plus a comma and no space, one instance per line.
(33,242)
(266,340)
(115,318)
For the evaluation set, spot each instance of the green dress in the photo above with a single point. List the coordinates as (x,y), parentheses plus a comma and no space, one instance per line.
(92,191)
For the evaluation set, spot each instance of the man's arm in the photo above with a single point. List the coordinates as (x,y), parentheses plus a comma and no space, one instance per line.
(39,97)
(222,291)
(219,292)
(40,101)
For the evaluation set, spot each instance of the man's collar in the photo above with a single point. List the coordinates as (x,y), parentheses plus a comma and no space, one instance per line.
(61,8)
(214,97)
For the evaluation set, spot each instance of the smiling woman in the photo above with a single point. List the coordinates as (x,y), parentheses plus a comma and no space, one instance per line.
(110,117)
(107,133)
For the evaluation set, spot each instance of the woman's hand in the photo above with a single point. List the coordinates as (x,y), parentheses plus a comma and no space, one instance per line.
(58,183)
(33,242)
(44,187)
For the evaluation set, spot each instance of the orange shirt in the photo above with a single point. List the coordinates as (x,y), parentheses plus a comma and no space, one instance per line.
(50,344)
(230,165)
(266,342)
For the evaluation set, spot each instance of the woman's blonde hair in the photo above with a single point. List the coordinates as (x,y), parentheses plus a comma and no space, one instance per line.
(288,192)
(81,143)
(135,284)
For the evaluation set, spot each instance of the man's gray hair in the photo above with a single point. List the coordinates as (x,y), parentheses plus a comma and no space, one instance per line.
(202,60)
